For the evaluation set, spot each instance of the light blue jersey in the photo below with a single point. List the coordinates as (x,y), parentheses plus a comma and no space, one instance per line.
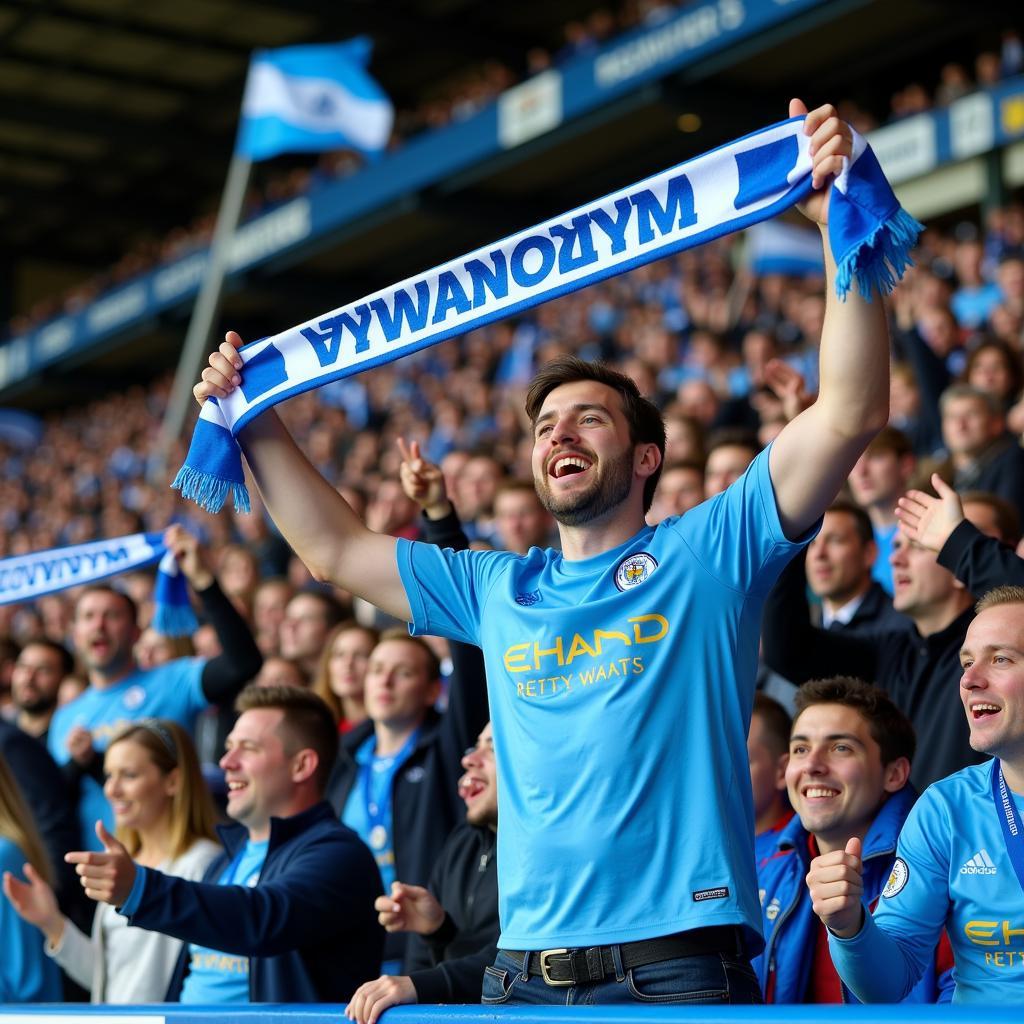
(215,977)
(27,974)
(620,689)
(881,571)
(171,691)
(953,871)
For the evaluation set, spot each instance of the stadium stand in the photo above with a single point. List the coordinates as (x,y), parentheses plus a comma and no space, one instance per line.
(504,118)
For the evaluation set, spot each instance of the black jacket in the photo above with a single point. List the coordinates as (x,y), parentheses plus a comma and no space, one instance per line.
(875,614)
(308,927)
(921,674)
(448,966)
(998,470)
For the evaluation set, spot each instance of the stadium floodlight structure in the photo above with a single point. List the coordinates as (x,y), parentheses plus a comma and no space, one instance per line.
(297,99)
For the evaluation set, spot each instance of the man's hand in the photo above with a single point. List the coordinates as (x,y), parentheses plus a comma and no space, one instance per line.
(789,385)
(34,901)
(107,877)
(221,376)
(836,883)
(929,521)
(831,142)
(372,998)
(422,481)
(79,745)
(409,908)
(188,553)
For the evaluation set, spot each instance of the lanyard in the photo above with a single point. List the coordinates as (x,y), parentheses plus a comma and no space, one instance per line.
(378,813)
(1010,820)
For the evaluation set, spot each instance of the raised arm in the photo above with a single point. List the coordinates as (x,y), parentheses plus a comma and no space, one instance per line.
(814,453)
(315,520)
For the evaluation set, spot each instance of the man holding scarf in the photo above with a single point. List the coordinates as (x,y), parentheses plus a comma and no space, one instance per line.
(621,670)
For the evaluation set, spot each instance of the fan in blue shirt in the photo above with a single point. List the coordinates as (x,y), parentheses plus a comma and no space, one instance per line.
(621,670)
(960,857)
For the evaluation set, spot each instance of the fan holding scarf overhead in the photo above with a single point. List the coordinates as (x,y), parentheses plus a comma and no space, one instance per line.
(621,691)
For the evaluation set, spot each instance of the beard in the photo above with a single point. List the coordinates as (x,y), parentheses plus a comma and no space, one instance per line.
(610,487)
(38,705)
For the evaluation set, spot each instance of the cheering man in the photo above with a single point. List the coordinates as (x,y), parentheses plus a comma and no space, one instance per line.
(621,669)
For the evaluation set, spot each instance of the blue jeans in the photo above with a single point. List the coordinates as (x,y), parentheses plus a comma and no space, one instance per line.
(707,978)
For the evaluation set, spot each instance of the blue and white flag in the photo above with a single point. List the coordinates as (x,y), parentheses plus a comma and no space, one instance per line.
(26,577)
(777,248)
(732,187)
(312,98)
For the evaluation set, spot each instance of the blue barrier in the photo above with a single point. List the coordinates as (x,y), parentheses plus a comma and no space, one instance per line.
(279,1013)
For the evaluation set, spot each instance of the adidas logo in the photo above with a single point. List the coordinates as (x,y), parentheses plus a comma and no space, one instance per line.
(979,864)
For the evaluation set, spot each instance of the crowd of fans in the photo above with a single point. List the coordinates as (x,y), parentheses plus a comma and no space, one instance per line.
(466,93)
(296,706)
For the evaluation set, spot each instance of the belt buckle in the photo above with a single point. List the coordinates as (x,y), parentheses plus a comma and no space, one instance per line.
(548,980)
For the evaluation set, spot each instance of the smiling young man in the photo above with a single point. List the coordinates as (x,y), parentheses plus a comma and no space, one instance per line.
(849,764)
(960,860)
(286,913)
(621,670)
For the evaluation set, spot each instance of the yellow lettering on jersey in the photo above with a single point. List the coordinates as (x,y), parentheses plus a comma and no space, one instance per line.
(981,932)
(515,654)
(641,637)
(541,652)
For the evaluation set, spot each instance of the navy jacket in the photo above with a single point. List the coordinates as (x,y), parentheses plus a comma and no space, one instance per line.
(790,925)
(308,927)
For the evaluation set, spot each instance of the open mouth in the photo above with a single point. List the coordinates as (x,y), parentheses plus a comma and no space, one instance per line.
(234,786)
(820,793)
(470,788)
(981,710)
(562,466)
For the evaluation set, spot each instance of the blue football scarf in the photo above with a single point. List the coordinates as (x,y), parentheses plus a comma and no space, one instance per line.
(730,188)
(26,577)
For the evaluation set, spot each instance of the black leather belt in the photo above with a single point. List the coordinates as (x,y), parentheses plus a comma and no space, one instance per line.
(580,966)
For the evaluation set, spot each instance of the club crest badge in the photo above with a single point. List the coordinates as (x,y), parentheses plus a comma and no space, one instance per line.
(133,697)
(897,878)
(634,570)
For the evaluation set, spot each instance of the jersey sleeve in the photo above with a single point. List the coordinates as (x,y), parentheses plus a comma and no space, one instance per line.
(447,589)
(181,683)
(737,535)
(883,962)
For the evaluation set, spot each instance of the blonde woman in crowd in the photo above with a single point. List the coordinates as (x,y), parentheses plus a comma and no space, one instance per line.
(339,675)
(165,818)
(26,974)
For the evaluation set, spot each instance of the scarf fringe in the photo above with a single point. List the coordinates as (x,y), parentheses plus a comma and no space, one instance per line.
(880,261)
(174,620)
(211,492)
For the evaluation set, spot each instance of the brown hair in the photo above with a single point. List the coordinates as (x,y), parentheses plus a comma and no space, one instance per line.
(861,520)
(307,723)
(645,423)
(890,728)
(18,825)
(776,721)
(998,596)
(889,439)
(321,684)
(100,588)
(169,748)
(401,633)
(1005,513)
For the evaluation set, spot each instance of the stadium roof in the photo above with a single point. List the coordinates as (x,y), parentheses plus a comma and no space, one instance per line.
(117,120)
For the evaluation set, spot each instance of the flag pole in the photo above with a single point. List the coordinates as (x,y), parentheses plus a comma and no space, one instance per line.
(204,312)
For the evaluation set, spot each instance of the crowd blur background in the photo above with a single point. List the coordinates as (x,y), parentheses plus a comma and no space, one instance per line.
(696,331)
